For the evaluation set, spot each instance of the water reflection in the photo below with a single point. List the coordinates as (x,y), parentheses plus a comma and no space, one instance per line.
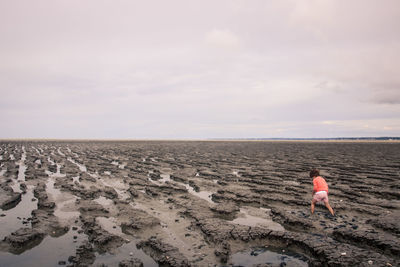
(269,256)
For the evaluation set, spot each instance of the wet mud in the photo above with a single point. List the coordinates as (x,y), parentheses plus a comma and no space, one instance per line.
(164,203)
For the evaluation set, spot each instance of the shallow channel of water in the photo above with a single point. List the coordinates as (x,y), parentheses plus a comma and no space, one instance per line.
(81,167)
(272,256)
(124,252)
(48,253)
(206,195)
(62,200)
(14,217)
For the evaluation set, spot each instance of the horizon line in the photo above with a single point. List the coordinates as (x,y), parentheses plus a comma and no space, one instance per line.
(377,138)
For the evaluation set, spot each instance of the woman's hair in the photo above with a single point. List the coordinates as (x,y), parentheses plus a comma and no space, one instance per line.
(314,173)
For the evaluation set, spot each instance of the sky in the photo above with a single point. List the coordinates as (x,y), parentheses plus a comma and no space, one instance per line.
(199,69)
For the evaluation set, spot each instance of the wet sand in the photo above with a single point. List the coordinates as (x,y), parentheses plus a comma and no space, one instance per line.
(182,203)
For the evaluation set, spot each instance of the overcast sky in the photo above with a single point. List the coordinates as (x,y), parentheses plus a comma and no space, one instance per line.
(199,69)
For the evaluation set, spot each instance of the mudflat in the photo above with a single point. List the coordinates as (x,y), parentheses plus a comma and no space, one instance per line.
(194,203)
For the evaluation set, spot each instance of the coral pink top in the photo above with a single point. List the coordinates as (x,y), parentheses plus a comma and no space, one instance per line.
(320,184)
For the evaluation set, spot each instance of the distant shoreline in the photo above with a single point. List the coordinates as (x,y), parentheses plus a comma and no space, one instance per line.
(311,140)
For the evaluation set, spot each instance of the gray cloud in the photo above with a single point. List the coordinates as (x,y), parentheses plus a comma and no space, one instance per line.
(386,94)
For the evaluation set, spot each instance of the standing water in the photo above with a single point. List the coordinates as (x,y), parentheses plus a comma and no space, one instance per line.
(269,257)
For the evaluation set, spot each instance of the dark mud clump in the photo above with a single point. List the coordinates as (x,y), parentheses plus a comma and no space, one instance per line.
(11,201)
(164,254)
(85,255)
(23,239)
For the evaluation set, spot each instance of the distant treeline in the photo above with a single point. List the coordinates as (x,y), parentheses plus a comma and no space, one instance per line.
(335,138)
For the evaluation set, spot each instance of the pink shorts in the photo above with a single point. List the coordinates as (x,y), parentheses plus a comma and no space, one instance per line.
(320,196)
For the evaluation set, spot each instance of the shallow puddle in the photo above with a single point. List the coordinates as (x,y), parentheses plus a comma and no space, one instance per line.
(54,192)
(13,219)
(63,213)
(16,187)
(125,252)
(206,195)
(271,256)
(22,168)
(62,200)
(48,253)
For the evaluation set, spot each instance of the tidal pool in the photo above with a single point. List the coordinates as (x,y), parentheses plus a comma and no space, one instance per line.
(268,255)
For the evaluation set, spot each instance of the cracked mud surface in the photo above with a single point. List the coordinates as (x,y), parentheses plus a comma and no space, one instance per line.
(163,203)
